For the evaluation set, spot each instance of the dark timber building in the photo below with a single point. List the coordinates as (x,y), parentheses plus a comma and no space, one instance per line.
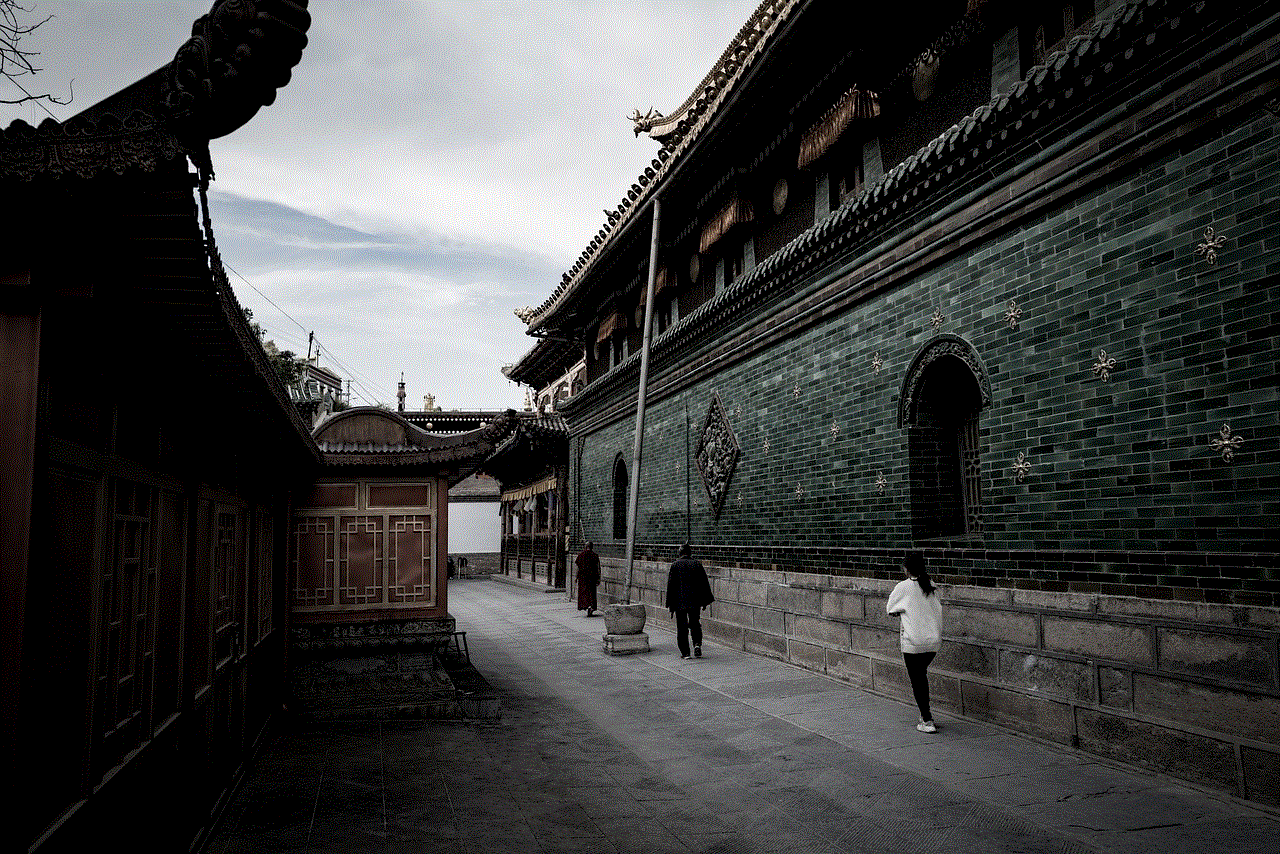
(994,280)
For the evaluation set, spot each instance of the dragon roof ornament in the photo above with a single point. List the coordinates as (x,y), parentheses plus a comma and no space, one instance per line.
(675,131)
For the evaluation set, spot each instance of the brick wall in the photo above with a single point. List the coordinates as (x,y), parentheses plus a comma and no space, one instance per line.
(1121,596)
(1125,493)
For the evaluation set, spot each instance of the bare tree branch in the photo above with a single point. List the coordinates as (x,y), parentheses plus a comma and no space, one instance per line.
(15,60)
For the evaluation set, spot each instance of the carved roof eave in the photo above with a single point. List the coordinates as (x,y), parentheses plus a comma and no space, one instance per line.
(423,449)
(536,438)
(724,73)
(755,38)
(712,94)
(85,147)
(239,54)
(547,360)
(1088,65)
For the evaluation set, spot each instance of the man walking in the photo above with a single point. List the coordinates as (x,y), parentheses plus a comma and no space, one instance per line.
(688,592)
(588,563)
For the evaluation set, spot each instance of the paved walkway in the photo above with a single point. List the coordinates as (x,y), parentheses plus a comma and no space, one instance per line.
(728,754)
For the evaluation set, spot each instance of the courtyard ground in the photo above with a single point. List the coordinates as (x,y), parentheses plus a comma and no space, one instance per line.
(727,754)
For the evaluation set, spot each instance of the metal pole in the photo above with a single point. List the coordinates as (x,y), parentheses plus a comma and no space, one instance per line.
(633,504)
(688,475)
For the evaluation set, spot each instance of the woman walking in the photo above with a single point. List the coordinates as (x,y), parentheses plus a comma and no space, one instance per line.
(917,602)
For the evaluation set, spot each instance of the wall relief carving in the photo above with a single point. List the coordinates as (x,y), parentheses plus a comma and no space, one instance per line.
(716,454)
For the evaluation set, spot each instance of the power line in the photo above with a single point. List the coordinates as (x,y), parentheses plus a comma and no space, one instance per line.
(364,383)
(264,296)
(356,379)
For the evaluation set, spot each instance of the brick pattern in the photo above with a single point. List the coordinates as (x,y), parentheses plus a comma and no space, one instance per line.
(1125,493)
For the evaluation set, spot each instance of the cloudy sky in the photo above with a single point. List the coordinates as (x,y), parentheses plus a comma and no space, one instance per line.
(430,168)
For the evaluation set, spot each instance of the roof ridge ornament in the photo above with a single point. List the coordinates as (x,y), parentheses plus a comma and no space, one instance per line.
(645,123)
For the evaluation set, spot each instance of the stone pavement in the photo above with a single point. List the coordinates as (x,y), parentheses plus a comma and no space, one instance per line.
(728,754)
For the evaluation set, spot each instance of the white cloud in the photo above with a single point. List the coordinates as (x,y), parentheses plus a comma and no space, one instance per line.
(429,168)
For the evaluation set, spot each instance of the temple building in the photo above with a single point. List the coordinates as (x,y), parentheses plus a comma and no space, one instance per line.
(145,603)
(994,281)
(536,500)
(177,570)
(369,552)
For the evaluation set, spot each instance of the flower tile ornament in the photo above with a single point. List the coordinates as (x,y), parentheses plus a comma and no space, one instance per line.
(1210,246)
(1104,366)
(1021,466)
(1012,314)
(1226,443)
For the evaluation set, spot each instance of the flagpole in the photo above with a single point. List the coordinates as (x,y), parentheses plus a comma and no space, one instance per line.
(637,448)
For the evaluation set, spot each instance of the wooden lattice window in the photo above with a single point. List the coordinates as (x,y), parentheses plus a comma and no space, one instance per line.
(368,545)
(126,644)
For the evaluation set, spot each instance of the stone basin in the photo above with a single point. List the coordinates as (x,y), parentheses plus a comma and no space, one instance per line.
(624,619)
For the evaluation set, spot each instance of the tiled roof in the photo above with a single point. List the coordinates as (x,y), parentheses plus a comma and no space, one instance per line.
(679,130)
(370,436)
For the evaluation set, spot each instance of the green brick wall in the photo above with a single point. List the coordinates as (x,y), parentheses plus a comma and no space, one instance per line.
(1125,493)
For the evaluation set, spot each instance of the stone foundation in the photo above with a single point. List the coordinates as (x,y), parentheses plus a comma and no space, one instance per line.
(385,669)
(1186,689)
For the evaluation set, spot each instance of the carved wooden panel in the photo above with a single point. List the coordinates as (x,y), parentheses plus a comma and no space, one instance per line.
(410,568)
(360,560)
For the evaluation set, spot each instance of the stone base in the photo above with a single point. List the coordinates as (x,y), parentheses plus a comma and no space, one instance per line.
(626,644)
(384,669)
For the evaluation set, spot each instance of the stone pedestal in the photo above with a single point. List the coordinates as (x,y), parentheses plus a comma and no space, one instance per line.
(626,644)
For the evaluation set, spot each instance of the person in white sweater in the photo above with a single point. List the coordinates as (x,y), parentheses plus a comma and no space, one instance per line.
(917,602)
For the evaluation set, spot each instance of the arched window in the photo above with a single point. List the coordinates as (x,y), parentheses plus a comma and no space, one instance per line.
(620,495)
(944,392)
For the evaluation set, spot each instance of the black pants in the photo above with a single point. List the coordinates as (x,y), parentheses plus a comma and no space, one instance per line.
(688,622)
(918,670)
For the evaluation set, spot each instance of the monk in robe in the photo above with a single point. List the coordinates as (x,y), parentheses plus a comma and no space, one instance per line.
(588,563)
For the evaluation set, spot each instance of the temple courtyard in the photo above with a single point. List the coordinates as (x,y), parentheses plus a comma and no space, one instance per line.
(731,754)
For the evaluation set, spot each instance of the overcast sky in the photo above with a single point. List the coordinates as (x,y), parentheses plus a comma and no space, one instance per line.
(430,168)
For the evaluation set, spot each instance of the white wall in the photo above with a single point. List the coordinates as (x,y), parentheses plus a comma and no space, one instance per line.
(474,527)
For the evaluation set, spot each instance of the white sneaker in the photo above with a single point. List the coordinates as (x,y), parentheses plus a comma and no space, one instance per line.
(926,726)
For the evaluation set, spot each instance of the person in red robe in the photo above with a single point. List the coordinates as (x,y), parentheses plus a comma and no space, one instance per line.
(588,577)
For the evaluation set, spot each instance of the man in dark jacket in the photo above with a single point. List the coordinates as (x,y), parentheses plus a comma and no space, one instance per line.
(688,592)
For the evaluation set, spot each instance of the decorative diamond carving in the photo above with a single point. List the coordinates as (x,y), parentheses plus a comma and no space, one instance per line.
(1012,314)
(938,319)
(766,444)
(799,492)
(876,363)
(835,430)
(1104,366)
(1226,443)
(795,392)
(881,482)
(1021,466)
(1210,246)
(717,454)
